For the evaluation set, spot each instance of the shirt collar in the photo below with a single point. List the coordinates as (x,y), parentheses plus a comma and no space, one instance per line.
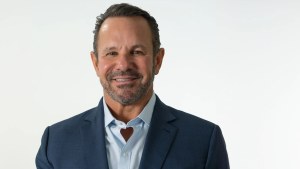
(145,115)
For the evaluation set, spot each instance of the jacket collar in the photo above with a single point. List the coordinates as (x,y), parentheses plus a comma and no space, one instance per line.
(160,137)
(93,137)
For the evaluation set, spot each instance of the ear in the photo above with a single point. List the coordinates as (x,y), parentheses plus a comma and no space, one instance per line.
(158,60)
(94,61)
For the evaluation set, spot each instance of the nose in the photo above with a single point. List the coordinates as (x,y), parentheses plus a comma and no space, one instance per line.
(124,61)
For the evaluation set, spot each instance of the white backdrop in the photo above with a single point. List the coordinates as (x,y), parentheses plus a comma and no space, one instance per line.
(232,62)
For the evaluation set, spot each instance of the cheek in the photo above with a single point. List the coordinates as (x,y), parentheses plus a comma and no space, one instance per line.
(147,66)
(103,68)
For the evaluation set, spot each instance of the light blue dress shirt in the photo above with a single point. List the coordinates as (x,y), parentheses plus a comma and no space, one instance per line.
(122,154)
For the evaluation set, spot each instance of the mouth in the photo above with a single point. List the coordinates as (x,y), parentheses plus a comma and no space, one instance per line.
(125,81)
(124,77)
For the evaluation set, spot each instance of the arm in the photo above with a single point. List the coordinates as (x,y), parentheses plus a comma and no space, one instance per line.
(41,159)
(217,154)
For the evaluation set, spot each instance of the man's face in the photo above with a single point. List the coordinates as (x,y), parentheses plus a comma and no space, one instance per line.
(126,64)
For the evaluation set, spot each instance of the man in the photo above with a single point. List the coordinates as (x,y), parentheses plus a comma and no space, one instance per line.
(131,128)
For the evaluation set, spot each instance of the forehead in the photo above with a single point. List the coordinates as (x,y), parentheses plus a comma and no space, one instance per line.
(124,32)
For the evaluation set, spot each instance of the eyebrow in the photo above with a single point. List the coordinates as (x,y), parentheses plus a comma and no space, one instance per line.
(139,46)
(109,49)
(133,47)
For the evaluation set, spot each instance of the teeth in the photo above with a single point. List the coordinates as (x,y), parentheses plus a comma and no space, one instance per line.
(122,80)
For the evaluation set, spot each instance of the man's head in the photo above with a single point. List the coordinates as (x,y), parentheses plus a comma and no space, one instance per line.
(127,10)
(125,56)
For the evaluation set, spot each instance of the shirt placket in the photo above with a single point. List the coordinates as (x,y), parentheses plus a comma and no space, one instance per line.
(126,150)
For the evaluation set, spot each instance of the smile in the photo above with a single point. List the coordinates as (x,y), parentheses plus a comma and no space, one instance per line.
(125,79)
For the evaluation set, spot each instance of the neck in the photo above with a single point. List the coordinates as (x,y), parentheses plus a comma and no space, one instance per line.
(126,113)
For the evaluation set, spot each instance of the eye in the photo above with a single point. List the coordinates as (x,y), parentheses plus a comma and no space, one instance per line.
(137,52)
(112,53)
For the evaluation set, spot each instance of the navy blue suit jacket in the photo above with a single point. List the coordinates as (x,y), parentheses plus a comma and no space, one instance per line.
(175,140)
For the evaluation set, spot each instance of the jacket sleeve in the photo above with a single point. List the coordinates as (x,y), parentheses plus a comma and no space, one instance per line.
(217,154)
(41,159)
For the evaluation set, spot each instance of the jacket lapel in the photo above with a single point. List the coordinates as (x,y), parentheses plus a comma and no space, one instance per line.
(160,137)
(93,137)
